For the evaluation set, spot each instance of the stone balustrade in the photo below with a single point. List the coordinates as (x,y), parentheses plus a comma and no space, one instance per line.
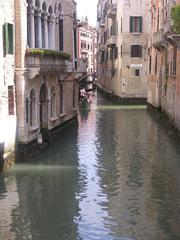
(158,37)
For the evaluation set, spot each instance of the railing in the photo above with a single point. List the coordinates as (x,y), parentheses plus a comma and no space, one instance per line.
(80,66)
(112,40)
(85,50)
(112,10)
(158,37)
(46,63)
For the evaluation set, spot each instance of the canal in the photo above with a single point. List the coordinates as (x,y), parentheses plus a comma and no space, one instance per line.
(113,176)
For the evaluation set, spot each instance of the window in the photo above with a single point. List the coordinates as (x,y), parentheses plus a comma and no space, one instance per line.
(111,53)
(174,60)
(11,100)
(155,69)
(102,57)
(137,72)
(74,95)
(27,110)
(83,44)
(107,55)
(32,108)
(53,102)
(136,51)
(36,28)
(115,52)
(8,38)
(150,62)
(61,34)
(135,24)
(61,100)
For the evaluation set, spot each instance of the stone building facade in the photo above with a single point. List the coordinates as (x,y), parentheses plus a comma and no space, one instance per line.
(164,64)
(47,80)
(87,45)
(123,31)
(7,83)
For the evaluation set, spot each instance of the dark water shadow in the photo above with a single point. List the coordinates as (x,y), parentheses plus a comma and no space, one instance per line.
(1,156)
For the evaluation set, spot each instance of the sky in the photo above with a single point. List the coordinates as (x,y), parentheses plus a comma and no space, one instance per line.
(87,8)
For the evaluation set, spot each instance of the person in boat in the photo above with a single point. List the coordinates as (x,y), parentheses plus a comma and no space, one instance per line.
(83,94)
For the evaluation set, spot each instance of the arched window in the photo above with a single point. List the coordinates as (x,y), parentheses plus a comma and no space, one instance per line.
(36,24)
(43,108)
(50,26)
(74,95)
(61,28)
(29,24)
(43,16)
(32,110)
(55,9)
(61,99)
(53,102)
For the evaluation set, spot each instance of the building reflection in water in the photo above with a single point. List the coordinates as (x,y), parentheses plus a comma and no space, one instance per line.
(38,201)
(138,175)
(114,176)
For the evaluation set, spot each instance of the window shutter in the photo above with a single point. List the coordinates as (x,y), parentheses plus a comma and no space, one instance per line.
(136,51)
(11,100)
(140,24)
(7,38)
(10,38)
(140,51)
(27,110)
(131,24)
(61,35)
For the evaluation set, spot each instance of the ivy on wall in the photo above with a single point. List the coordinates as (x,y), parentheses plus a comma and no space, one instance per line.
(175,13)
(47,53)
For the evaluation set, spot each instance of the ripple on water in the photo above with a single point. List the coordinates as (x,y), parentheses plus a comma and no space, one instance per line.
(114,177)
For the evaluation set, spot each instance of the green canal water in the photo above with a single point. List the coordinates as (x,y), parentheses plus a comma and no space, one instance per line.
(114,175)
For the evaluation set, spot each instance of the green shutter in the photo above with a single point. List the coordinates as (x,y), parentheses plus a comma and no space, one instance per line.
(131,24)
(8,38)
(5,39)
(140,24)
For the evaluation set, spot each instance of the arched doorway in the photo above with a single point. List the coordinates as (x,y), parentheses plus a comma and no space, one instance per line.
(43,99)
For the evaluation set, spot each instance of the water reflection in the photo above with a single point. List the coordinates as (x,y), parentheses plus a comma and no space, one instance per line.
(92,223)
(114,176)
(9,201)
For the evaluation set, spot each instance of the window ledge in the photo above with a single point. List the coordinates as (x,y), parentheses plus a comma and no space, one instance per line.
(34,128)
(138,33)
(62,115)
(53,119)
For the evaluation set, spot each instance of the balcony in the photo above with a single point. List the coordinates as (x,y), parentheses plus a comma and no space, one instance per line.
(112,11)
(158,39)
(111,41)
(84,50)
(80,66)
(102,23)
(101,47)
(46,60)
(38,61)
